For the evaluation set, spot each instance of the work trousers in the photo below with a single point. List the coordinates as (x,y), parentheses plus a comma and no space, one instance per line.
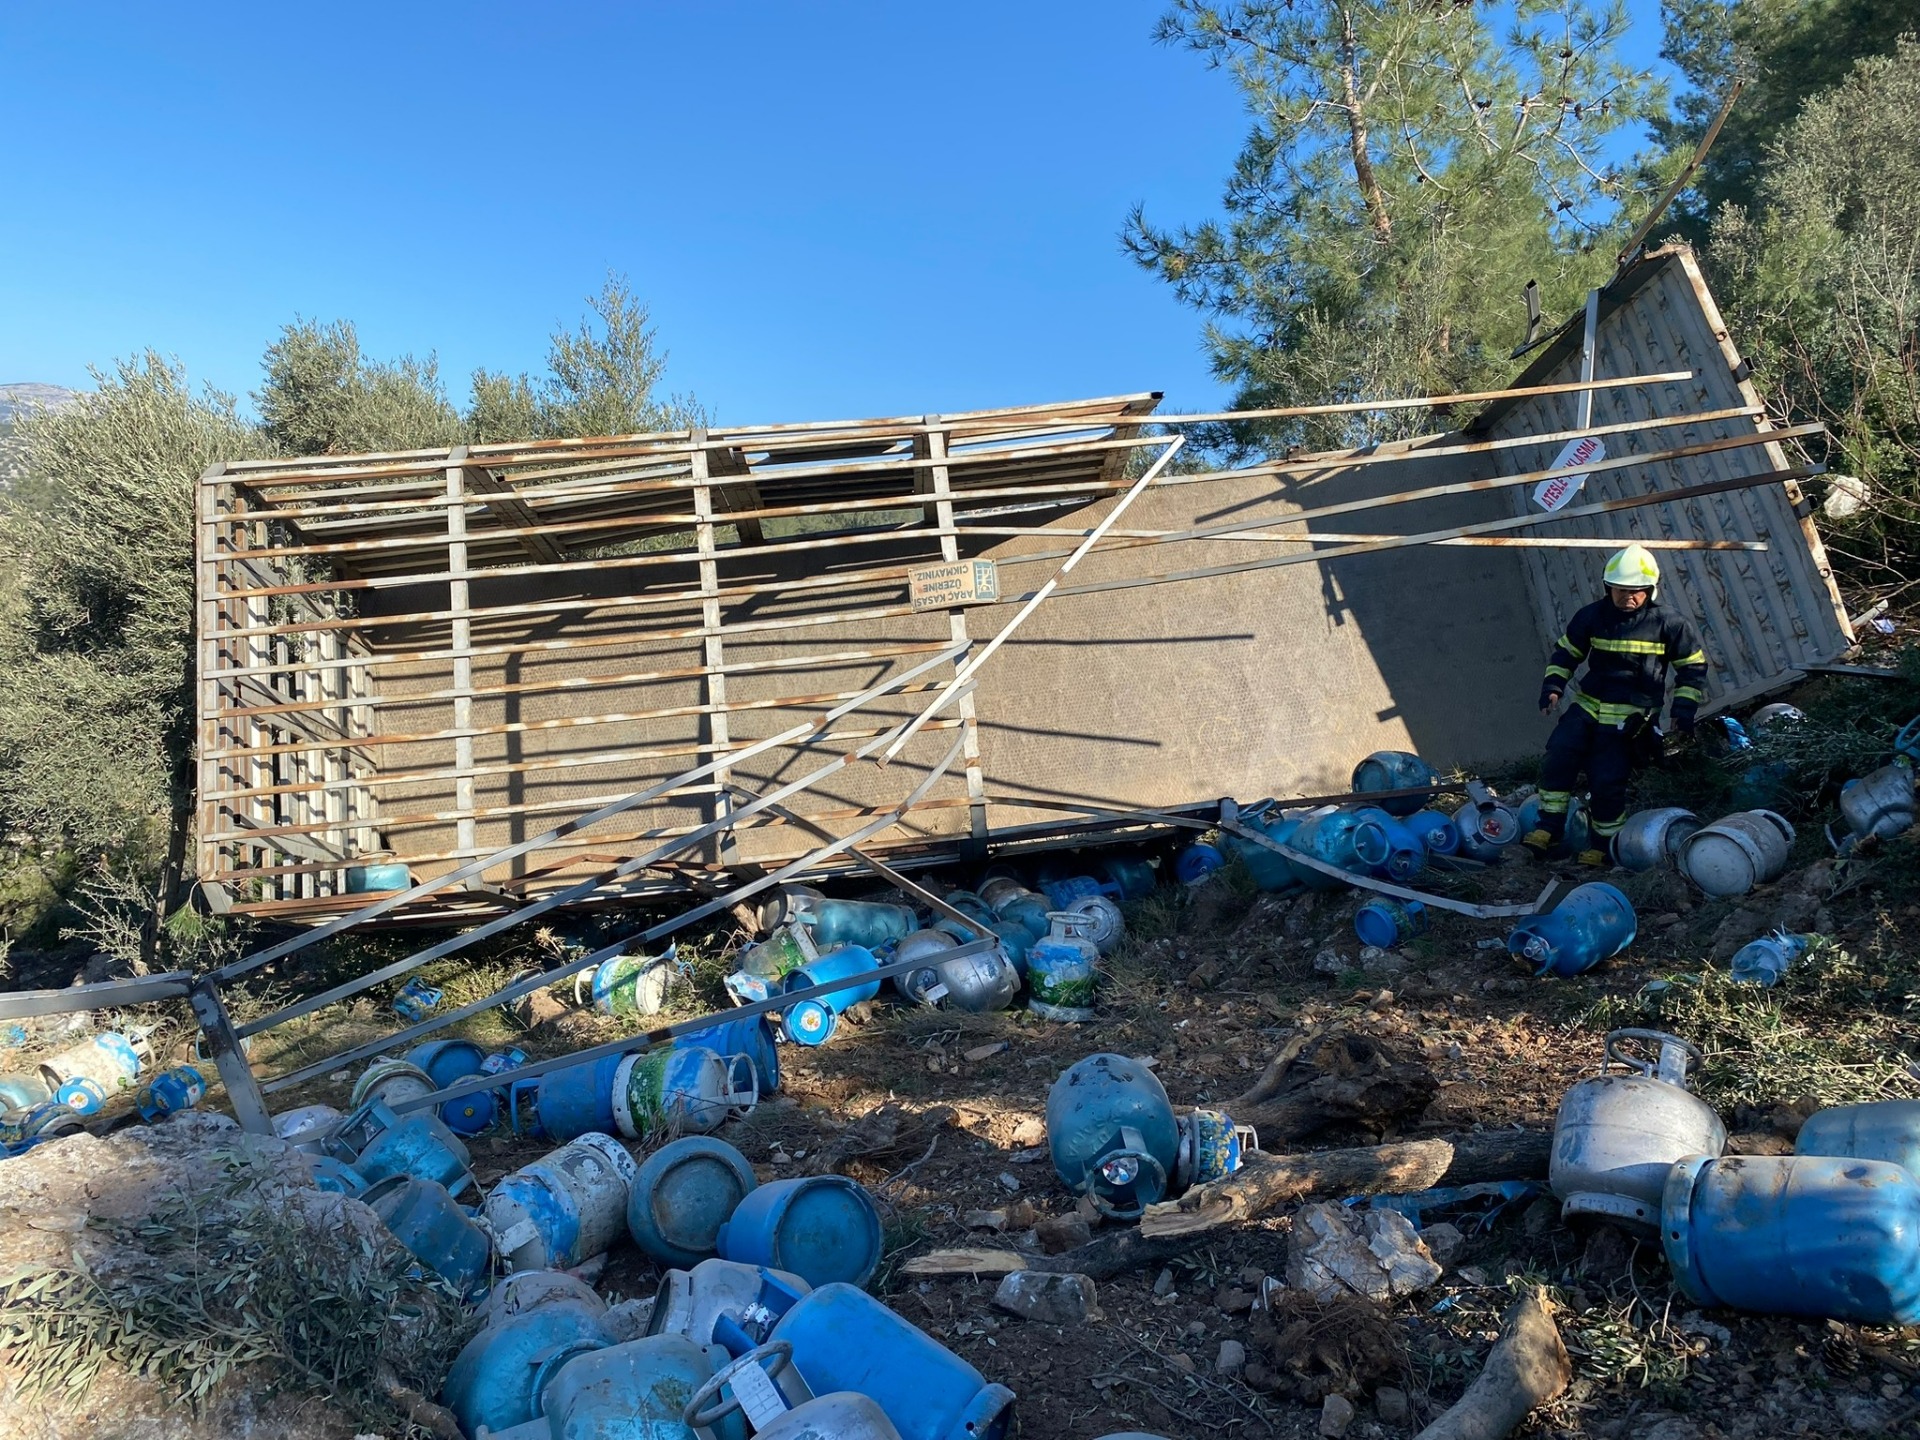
(1580,743)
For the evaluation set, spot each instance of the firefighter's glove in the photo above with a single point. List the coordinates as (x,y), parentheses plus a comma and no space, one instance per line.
(1549,697)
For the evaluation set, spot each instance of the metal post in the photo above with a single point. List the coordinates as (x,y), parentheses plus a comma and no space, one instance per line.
(1584,407)
(243,1089)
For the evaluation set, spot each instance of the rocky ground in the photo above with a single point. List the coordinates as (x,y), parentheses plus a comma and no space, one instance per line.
(939,1114)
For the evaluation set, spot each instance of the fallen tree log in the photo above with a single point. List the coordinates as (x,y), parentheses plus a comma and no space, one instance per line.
(1263,1182)
(1527,1367)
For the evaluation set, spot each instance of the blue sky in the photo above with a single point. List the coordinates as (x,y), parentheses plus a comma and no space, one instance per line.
(832,209)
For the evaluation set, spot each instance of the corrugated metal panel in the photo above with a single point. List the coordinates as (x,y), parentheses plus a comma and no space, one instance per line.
(1762,617)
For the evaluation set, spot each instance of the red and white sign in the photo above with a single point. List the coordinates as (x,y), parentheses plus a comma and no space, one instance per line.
(1552,493)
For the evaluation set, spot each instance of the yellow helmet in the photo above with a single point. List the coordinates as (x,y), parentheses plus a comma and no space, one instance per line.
(1633,568)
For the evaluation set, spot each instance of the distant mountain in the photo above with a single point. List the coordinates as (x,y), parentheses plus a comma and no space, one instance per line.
(30,395)
(25,398)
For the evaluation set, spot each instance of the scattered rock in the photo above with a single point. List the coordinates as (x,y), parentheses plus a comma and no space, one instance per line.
(1232,1358)
(984,1052)
(1233,1300)
(1862,1414)
(1195,1329)
(1087,1210)
(1205,976)
(1666,921)
(1694,1323)
(1031,1130)
(1665,1427)
(1163,1283)
(1059,1233)
(1374,1253)
(1336,1414)
(1252,1277)
(985,1220)
(1444,1242)
(1182,1362)
(1048,1299)
(1331,962)
(1609,1251)
(1392,1406)
(1009,1182)
(1376,961)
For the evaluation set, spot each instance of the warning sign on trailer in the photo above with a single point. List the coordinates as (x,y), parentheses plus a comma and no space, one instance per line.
(964,582)
(1556,490)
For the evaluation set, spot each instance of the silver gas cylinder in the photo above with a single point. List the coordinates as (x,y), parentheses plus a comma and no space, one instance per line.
(977,983)
(1618,1134)
(1881,804)
(920,985)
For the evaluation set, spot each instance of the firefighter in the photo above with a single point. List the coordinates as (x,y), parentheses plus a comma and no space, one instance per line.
(1629,643)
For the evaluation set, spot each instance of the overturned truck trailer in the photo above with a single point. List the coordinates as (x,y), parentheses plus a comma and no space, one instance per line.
(421,659)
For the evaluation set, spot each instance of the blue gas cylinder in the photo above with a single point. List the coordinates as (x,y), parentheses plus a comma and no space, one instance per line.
(1387,846)
(1394,770)
(417,1000)
(378,1143)
(1886,1130)
(1831,1238)
(564,1208)
(83,1095)
(681,1196)
(1197,860)
(812,1022)
(446,1061)
(1328,837)
(635,1391)
(1112,1134)
(373,879)
(1132,875)
(822,1228)
(1389,923)
(1013,903)
(1269,869)
(577,1100)
(752,1037)
(844,1339)
(22,1129)
(1594,923)
(1484,833)
(1579,832)
(434,1230)
(180,1088)
(1435,831)
(1062,890)
(335,1177)
(1063,971)
(868,924)
(17,1092)
(1764,961)
(497,1378)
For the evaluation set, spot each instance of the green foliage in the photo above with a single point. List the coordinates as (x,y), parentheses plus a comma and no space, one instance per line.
(601,380)
(96,541)
(323,397)
(1787,51)
(95,659)
(1822,280)
(1407,172)
(234,1280)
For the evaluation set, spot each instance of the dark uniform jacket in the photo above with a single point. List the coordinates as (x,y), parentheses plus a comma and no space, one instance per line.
(1628,654)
